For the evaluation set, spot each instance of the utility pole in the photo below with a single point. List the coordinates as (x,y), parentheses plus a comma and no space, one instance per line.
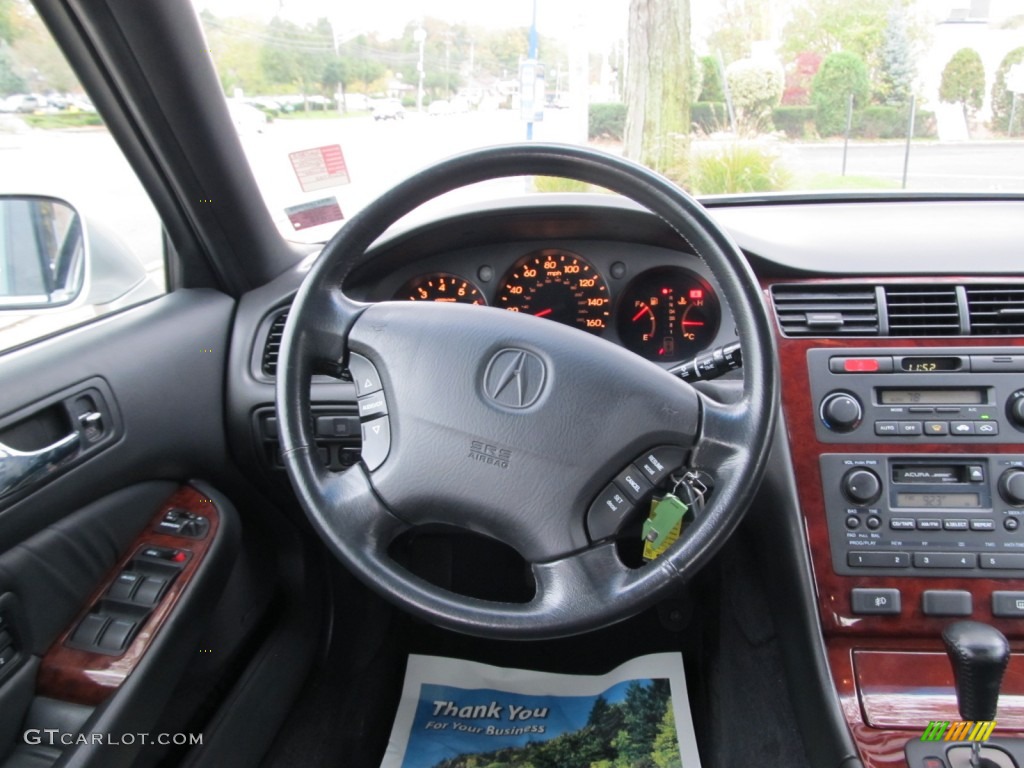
(420,37)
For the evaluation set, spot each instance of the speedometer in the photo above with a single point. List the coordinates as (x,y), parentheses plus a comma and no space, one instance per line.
(558,285)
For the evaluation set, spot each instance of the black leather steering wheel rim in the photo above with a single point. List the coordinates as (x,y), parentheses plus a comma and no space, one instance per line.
(580,586)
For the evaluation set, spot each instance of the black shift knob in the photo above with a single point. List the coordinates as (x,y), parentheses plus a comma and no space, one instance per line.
(979,654)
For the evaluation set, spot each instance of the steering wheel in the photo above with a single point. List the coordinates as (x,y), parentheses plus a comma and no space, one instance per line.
(510,425)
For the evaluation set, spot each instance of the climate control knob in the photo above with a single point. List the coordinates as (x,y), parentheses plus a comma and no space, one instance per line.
(841,412)
(861,486)
(1011,486)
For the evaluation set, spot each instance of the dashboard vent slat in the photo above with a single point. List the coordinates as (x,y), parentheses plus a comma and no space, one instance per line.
(996,310)
(839,310)
(922,310)
(272,346)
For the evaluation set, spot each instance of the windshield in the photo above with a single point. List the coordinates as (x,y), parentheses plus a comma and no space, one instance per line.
(333,105)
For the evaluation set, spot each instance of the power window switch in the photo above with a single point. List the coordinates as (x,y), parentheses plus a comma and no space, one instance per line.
(124,585)
(89,629)
(7,656)
(115,637)
(150,591)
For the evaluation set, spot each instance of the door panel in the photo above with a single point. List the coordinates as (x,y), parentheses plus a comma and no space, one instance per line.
(158,371)
(164,364)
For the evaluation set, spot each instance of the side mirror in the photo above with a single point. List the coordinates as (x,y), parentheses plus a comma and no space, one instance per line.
(42,253)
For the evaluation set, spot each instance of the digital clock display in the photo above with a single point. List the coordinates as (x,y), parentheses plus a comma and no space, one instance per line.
(939,500)
(930,364)
(923,396)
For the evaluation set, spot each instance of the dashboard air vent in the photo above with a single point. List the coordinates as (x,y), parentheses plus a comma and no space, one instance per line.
(996,310)
(826,310)
(922,310)
(273,343)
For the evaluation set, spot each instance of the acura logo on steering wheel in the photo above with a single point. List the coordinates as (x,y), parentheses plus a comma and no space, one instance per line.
(514,378)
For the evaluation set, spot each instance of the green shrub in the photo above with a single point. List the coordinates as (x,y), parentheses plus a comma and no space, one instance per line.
(607,121)
(797,122)
(1002,99)
(841,74)
(878,122)
(710,80)
(755,86)
(925,125)
(709,116)
(63,120)
(738,168)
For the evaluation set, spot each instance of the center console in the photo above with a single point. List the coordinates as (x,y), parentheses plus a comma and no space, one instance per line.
(909,461)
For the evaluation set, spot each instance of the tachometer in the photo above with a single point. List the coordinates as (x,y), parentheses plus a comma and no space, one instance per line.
(668,314)
(558,285)
(441,286)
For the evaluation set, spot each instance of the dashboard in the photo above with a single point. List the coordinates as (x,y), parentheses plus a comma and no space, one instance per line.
(900,333)
(660,303)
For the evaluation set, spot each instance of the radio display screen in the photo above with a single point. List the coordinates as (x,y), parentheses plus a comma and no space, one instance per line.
(938,500)
(926,396)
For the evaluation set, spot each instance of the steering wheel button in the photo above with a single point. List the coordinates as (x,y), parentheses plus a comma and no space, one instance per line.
(659,463)
(376,442)
(372,405)
(633,483)
(607,513)
(364,375)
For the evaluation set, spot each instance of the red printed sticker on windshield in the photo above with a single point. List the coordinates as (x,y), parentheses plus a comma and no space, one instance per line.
(320,168)
(312,214)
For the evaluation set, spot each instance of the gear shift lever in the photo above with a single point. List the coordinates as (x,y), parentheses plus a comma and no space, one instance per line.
(979,655)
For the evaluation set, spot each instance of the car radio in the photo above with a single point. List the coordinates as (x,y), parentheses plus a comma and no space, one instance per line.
(925,515)
(903,396)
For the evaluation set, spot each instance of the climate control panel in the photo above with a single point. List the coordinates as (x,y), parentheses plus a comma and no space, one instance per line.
(925,515)
(903,396)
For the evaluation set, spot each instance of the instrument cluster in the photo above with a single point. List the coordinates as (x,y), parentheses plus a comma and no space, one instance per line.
(664,313)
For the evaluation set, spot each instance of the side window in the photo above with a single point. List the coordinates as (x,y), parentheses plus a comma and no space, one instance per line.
(78,234)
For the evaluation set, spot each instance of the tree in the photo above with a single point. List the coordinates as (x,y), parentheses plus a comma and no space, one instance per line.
(642,710)
(963,82)
(658,86)
(841,75)
(10,80)
(896,76)
(737,27)
(830,26)
(294,55)
(1002,99)
(799,75)
(665,752)
(335,77)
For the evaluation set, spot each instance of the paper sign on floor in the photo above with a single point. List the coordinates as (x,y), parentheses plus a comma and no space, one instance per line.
(457,714)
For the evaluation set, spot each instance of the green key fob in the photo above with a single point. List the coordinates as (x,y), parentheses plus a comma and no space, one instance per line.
(666,513)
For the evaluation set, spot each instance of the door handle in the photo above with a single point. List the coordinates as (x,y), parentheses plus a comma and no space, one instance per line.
(19,468)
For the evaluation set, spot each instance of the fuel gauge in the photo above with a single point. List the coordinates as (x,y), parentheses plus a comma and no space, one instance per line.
(668,314)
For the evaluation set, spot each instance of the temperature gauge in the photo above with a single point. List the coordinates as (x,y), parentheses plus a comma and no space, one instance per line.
(668,314)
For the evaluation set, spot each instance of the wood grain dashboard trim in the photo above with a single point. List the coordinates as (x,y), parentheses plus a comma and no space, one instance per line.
(82,677)
(881,664)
